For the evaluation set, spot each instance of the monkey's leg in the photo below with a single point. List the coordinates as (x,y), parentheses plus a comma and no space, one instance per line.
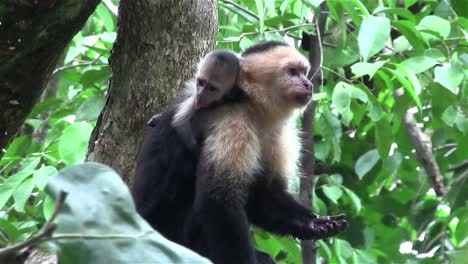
(271,207)
(225,227)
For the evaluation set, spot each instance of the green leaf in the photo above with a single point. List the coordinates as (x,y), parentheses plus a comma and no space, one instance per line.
(99,204)
(73,144)
(318,205)
(42,175)
(358,93)
(362,68)
(342,248)
(373,35)
(460,7)
(22,193)
(419,64)
(48,207)
(396,11)
(364,257)
(332,192)
(435,54)
(414,37)
(366,162)
(10,185)
(449,76)
(341,98)
(106,17)
(414,81)
(90,109)
(356,201)
(437,24)
(383,138)
(407,85)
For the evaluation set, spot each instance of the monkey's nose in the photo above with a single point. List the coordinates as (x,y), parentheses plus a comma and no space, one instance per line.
(308,85)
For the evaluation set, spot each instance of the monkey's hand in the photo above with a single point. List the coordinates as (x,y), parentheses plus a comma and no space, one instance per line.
(325,226)
(153,120)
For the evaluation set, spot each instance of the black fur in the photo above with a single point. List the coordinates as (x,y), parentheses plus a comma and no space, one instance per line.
(263,47)
(224,57)
(172,193)
(164,183)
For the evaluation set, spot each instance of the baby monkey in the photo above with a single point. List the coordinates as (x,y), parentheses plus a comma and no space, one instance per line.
(214,84)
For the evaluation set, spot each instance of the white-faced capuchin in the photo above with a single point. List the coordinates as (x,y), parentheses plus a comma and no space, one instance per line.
(213,85)
(207,199)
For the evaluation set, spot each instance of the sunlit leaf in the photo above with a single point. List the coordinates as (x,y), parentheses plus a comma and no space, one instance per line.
(355,200)
(73,144)
(414,37)
(22,193)
(449,76)
(362,68)
(332,192)
(373,35)
(42,175)
(419,64)
(437,24)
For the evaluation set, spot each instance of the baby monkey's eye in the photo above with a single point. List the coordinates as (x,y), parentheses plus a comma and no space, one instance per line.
(211,88)
(292,71)
(201,82)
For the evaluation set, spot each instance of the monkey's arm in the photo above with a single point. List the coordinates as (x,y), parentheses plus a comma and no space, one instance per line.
(271,207)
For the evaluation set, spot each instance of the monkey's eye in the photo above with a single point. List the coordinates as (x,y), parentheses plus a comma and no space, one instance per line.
(211,88)
(201,82)
(293,71)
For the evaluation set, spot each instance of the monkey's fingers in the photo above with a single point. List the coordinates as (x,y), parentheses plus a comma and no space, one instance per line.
(327,226)
(153,120)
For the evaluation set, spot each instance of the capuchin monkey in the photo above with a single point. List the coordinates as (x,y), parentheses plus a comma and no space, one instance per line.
(214,84)
(207,199)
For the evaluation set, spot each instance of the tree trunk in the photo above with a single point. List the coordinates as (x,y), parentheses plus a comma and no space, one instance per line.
(157,47)
(33,35)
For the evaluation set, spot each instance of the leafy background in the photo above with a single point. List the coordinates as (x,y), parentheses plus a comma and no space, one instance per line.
(367,164)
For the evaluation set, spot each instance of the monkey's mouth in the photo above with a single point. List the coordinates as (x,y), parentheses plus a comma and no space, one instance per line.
(303,95)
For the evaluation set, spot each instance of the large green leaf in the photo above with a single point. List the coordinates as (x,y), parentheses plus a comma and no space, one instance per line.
(332,192)
(341,100)
(419,64)
(101,224)
(362,68)
(366,162)
(437,24)
(73,144)
(373,35)
(10,184)
(414,37)
(450,76)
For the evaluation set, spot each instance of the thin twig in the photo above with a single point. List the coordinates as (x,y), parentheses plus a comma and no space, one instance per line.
(269,31)
(91,63)
(241,8)
(43,234)
(449,145)
(64,68)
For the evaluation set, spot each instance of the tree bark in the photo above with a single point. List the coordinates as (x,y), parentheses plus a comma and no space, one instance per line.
(33,35)
(314,46)
(157,47)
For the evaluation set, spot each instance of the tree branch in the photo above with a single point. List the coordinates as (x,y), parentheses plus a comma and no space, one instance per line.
(43,235)
(424,153)
(314,45)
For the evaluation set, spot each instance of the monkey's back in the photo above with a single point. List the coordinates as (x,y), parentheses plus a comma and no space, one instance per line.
(163,188)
